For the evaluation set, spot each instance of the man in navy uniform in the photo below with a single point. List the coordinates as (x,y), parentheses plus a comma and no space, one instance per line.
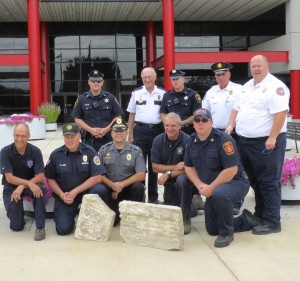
(145,124)
(167,158)
(22,167)
(95,111)
(219,100)
(126,169)
(73,170)
(213,164)
(181,100)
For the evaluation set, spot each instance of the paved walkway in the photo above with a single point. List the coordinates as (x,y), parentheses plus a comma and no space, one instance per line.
(248,258)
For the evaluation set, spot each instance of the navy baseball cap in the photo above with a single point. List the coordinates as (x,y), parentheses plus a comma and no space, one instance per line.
(70,129)
(203,112)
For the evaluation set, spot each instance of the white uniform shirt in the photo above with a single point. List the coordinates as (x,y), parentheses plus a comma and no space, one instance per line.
(258,104)
(220,102)
(145,105)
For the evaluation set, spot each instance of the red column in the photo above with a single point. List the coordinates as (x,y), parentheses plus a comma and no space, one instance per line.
(34,54)
(295,93)
(150,43)
(45,61)
(168,32)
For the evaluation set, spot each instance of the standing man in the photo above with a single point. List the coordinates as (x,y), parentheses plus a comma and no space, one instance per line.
(181,100)
(126,169)
(167,158)
(73,170)
(259,117)
(213,164)
(219,101)
(145,123)
(95,112)
(22,167)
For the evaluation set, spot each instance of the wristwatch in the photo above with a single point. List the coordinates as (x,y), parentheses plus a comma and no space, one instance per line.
(169,173)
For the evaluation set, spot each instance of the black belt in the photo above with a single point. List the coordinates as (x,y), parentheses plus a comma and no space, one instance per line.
(254,139)
(159,125)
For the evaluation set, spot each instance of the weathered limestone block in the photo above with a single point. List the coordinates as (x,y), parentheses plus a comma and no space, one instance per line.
(150,225)
(95,220)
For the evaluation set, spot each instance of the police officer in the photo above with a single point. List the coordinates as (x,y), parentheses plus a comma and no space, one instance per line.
(126,169)
(212,163)
(22,167)
(259,116)
(167,158)
(72,170)
(181,100)
(145,124)
(95,111)
(219,101)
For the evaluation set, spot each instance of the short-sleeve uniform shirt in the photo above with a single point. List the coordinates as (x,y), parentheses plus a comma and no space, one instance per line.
(257,105)
(212,156)
(146,106)
(122,165)
(184,103)
(220,102)
(70,169)
(96,111)
(25,166)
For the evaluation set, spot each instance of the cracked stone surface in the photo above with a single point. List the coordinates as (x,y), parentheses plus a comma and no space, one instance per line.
(95,220)
(150,225)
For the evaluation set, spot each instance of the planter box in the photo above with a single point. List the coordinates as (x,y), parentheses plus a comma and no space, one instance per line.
(291,195)
(37,128)
(51,127)
(6,133)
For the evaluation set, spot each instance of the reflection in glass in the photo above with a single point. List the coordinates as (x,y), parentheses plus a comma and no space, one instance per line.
(65,55)
(65,42)
(98,54)
(127,70)
(97,41)
(127,54)
(126,41)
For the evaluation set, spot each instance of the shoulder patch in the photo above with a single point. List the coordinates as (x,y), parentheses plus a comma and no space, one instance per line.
(228,148)
(198,98)
(76,102)
(97,160)
(280,91)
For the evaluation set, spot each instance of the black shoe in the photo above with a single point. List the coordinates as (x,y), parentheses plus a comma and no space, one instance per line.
(252,219)
(266,229)
(186,223)
(223,241)
(156,201)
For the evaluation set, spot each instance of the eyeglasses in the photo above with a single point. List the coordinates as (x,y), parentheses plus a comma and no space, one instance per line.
(95,81)
(267,151)
(203,120)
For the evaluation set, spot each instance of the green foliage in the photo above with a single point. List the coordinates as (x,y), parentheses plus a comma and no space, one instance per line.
(50,110)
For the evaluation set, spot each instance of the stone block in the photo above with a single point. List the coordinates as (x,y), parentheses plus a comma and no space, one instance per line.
(150,225)
(95,220)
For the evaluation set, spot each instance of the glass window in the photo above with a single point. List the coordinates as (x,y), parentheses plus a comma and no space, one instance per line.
(65,55)
(127,70)
(98,41)
(88,55)
(65,42)
(6,43)
(126,41)
(127,54)
(234,42)
(65,71)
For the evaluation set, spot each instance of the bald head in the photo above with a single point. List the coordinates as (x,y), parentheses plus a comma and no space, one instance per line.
(259,68)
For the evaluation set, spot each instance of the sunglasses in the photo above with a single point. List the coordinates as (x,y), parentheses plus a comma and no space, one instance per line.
(95,81)
(203,120)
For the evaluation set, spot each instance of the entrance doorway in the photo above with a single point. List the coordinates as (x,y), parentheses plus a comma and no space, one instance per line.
(66,102)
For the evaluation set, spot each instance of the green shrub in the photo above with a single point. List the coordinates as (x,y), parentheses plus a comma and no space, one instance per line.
(50,110)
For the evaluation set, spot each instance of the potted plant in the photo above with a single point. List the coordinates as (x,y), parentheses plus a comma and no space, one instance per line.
(290,180)
(51,111)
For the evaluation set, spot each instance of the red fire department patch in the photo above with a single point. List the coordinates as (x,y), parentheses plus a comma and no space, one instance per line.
(228,148)
(280,91)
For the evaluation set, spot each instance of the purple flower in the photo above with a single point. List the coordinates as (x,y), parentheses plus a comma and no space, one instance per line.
(290,171)
(48,193)
(19,118)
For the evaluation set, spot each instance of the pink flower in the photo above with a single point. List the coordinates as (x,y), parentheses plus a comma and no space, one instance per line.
(20,118)
(290,171)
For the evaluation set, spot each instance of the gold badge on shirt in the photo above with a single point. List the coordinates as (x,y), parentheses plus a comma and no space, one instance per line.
(158,97)
(128,157)
(264,90)
(84,158)
(230,92)
(107,156)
